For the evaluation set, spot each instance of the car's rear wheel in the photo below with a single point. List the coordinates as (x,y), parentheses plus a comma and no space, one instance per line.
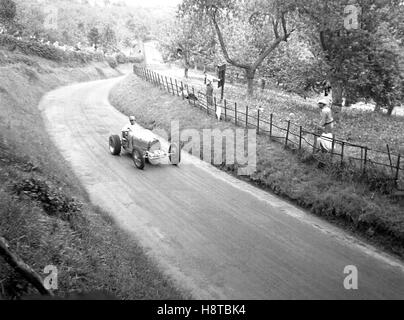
(138,159)
(115,145)
(175,154)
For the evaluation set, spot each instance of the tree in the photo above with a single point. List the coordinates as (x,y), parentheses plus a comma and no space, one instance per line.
(8,11)
(108,38)
(187,40)
(362,61)
(294,68)
(259,26)
(94,37)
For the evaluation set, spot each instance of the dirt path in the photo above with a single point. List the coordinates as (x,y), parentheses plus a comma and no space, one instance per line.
(218,237)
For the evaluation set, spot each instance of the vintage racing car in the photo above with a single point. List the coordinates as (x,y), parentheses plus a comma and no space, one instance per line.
(144,147)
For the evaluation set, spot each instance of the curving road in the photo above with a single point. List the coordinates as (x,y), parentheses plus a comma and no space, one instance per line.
(215,236)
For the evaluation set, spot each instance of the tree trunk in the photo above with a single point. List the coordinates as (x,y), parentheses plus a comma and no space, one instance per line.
(337,98)
(186,72)
(390,110)
(250,74)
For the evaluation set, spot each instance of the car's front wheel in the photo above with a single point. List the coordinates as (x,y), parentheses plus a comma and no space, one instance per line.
(138,159)
(115,145)
(175,154)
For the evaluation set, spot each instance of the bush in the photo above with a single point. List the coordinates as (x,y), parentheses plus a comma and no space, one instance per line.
(53,201)
(112,62)
(121,58)
(47,52)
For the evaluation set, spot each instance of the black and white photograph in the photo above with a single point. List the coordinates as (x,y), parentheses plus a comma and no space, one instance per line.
(201,155)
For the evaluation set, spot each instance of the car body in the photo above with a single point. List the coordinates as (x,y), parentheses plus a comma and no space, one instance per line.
(143,146)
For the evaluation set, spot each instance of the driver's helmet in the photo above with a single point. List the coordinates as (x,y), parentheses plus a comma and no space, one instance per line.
(132,119)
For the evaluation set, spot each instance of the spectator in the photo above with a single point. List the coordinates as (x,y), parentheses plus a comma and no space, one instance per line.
(262,84)
(327,120)
(326,126)
(209,93)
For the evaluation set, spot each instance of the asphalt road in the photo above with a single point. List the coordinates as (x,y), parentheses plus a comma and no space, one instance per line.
(216,236)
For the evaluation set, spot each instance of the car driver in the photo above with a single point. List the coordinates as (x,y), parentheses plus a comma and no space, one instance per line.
(130,128)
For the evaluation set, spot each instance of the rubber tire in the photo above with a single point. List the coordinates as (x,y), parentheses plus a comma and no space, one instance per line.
(115,145)
(142,160)
(176,160)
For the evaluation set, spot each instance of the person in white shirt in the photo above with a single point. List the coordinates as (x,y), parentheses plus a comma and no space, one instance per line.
(326,126)
(128,130)
(327,120)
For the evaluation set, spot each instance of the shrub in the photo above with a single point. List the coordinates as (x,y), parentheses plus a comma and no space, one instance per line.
(112,62)
(121,58)
(47,52)
(53,201)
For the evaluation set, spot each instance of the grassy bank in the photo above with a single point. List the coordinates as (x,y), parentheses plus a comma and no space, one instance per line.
(45,213)
(376,217)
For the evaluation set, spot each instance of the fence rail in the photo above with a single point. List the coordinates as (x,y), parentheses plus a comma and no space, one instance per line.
(292,135)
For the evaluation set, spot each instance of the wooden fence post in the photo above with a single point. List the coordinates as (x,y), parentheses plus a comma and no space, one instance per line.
(225,110)
(182,90)
(172,86)
(235,112)
(391,162)
(157,76)
(287,134)
(365,160)
(300,137)
(246,117)
(168,87)
(398,168)
(333,146)
(342,152)
(258,121)
(193,92)
(270,125)
(176,86)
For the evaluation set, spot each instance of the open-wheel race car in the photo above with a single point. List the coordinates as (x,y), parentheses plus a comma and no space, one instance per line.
(144,147)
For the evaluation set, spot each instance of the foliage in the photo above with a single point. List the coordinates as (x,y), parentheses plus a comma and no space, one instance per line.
(75,19)
(188,41)
(54,201)
(8,11)
(94,37)
(248,32)
(362,62)
(108,39)
(47,52)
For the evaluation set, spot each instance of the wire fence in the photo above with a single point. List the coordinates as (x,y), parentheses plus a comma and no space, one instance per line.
(292,135)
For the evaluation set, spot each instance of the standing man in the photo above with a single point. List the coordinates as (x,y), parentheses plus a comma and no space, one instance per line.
(209,93)
(327,120)
(326,126)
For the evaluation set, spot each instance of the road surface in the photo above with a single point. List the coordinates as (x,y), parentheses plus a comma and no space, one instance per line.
(216,236)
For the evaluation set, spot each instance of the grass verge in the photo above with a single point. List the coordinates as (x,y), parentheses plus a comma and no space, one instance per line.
(45,213)
(348,203)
